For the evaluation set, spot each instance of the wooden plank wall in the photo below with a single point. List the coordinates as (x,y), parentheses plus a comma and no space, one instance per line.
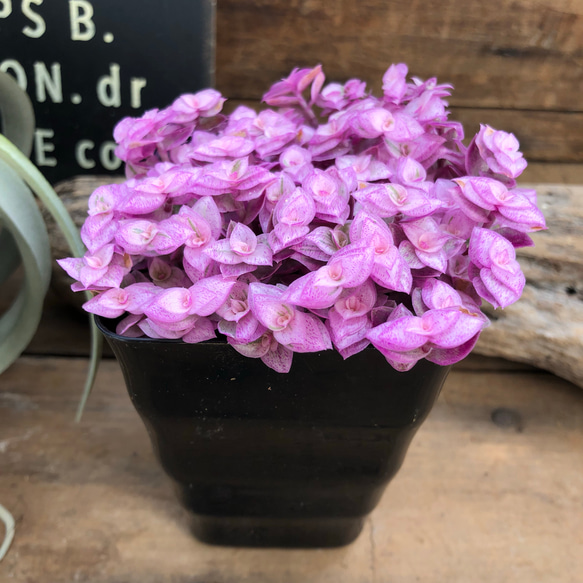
(515,64)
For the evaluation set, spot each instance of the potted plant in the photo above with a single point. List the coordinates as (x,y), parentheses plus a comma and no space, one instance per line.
(355,235)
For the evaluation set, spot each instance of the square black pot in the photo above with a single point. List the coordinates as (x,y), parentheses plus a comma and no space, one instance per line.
(268,459)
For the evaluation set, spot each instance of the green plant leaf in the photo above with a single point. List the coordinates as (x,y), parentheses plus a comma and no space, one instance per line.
(18,126)
(9,525)
(22,166)
(22,219)
(17,114)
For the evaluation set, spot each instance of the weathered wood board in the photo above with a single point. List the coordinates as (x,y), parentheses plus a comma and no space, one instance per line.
(545,136)
(475,500)
(515,64)
(512,54)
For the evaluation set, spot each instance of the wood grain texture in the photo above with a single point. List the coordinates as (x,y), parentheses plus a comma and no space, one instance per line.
(544,136)
(515,64)
(513,54)
(547,173)
(475,500)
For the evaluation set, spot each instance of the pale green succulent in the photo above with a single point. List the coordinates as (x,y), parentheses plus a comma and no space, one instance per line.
(23,235)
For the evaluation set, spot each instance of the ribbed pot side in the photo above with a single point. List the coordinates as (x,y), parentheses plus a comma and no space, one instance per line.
(267,459)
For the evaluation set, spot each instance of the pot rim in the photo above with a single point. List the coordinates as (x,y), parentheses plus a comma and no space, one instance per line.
(102,324)
(220,340)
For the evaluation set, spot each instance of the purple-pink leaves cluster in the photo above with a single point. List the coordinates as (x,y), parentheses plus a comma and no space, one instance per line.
(335,219)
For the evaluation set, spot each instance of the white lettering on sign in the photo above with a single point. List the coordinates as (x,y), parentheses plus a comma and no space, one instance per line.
(109,88)
(81,154)
(107,156)
(81,17)
(5,8)
(46,82)
(11,65)
(136,86)
(40,25)
(41,147)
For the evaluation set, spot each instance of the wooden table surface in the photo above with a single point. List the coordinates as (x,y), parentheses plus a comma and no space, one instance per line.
(490,491)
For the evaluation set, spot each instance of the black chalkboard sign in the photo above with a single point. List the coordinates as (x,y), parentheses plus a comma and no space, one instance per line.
(88,63)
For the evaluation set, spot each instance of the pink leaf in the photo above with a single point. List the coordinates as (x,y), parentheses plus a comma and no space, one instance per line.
(209,294)
(280,359)
(255,349)
(128,327)
(305,333)
(356,302)
(447,356)
(222,252)
(400,334)
(306,291)
(171,305)
(109,304)
(203,330)
(354,348)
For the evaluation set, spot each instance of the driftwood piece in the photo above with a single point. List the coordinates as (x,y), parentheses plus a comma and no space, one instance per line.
(544,328)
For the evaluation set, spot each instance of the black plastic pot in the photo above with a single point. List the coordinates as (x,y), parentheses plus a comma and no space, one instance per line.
(268,459)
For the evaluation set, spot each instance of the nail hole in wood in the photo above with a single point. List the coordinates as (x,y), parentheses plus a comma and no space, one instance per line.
(507,419)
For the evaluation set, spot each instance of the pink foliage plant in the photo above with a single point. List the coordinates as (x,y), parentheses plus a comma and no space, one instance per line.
(335,219)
